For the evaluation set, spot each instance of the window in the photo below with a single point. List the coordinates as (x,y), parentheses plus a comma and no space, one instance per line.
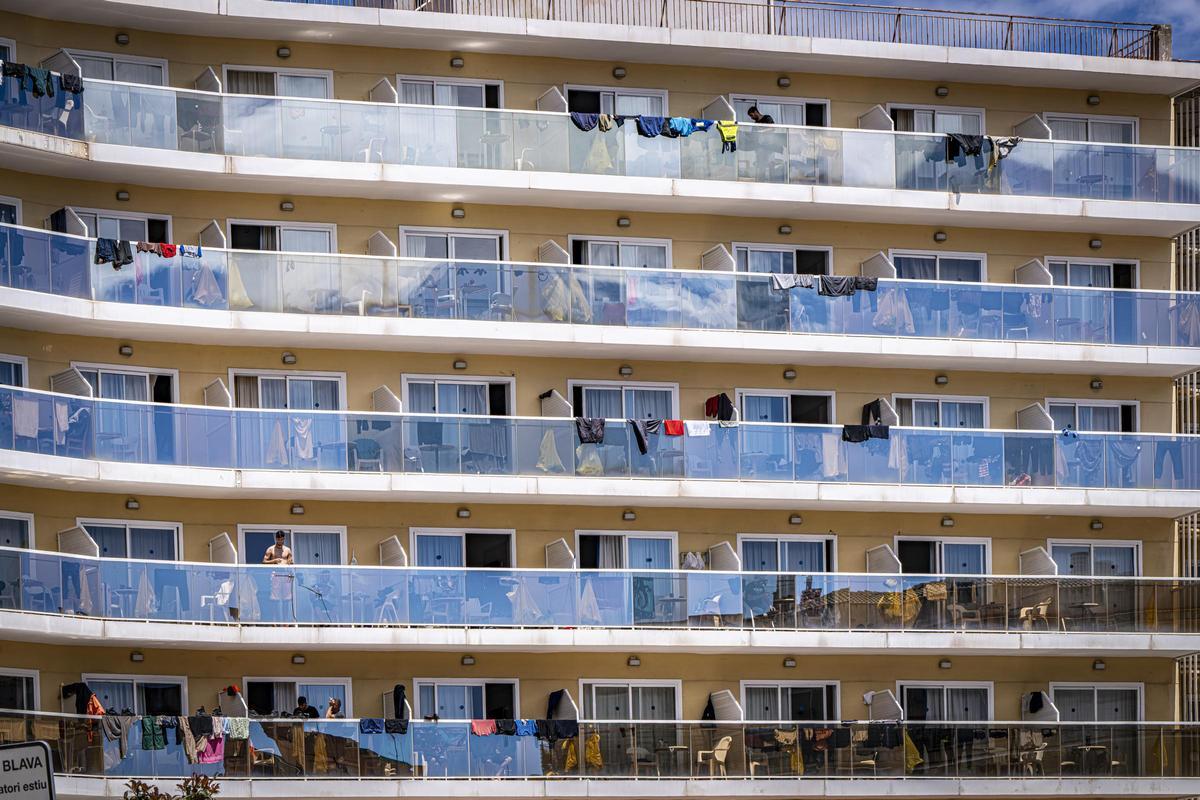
(140,694)
(944,119)
(149,541)
(438,547)
(436,395)
(117,383)
(297,391)
(10,207)
(621,550)
(774,259)
(930,411)
(1097,558)
(14,370)
(913,266)
(790,701)
(286,238)
(784,110)
(16,531)
(607,100)
(1088,128)
(270,697)
(8,50)
(430,91)
(121,68)
(310,544)
(1111,416)
(807,408)
(620,252)
(630,700)
(794,553)
(457,699)
(458,288)
(116,225)
(19,689)
(1098,702)
(1090,272)
(624,401)
(955,701)
(316,84)
(921,555)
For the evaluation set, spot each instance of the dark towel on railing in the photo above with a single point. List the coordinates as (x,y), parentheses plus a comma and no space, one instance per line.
(585,122)
(71,83)
(650,127)
(719,406)
(872,413)
(861,433)
(590,429)
(639,434)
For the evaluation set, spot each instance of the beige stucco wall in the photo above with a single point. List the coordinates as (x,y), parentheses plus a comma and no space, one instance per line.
(357,69)
(526,228)
(372,674)
(535,526)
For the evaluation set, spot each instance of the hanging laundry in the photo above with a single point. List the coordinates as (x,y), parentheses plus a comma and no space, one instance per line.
(650,127)
(146,247)
(32,79)
(116,252)
(782,283)
(652,426)
(728,128)
(368,726)
(638,428)
(607,122)
(526,727)
(1001,147)
(399,726)
(71,83)
(861,433)
(188,251)
(506,727)
(167,250)
(961,145)
(238,728)
(483,727)
(845,285)
(590,429)
(719,406)
(673,427)
(696,428)
(585,122)
(872,413)
(153,737)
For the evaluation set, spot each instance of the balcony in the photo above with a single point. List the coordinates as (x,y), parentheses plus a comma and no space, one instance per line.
(498,156)
(59,597)
(237,297)
(202,450)
(717,759)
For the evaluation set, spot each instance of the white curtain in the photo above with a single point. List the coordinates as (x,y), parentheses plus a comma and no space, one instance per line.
(241,81)
(804,556)
(962,559)
(607,702)
(421,398)
(1072,559)
(1069,130)
(916,268)
(319,695)
(115,695)
(416,93)
(152,544)
(1110,132)
(925,413)
(764,408)
(960,269)
(604,403)
(956,414)
(648,403)
(316,547)
(308,394)
(310,86)
(762,703)
(285,697)
(766,261)
(110,539)
(649,553)
(639,105)
(117,386)
(1116,705)
(1121,561)
(966,705)
(273,393)
(462,398)
(1077,704)
(653,256)
(654,702)
(439,551)
(1099,418)
(14,532)
(760,556)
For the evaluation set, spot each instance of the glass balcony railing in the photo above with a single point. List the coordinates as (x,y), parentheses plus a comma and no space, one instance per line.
(256,594)
(326,284)
(565,749)
(529,141)
(332,441)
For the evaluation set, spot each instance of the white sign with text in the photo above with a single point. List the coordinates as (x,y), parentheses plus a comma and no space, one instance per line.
(26,772)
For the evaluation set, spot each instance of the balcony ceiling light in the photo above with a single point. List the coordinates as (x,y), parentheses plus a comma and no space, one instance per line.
(283,51)
(121,39)
(942,91)
(783,81)
(619,72)
(457,62)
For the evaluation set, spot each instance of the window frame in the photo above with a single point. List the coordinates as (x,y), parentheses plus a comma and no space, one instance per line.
(419,712)
(130,215)
(939,255)
(735,97)
(12,47)
(404,230)
(14,201)
(485,380)
(801,684)
(35,675)
(1092,544)
(346,683)
(277,71)
(83,522)
(340,377)
(830,539)
(23,363)
(786,393)
(461,533)
(618,90)
(446,79)
(1095,686)
(340,530)
(328,227)
(135,679)
(629,683)
(953,398)
(122,369)
(673,536)
(986,541)
(130,59)
(990,686)
(28,518)
(775,247)
(1090,118)
(1097,403)
(1102,262)
(937,108)
(572,238)
(623,385)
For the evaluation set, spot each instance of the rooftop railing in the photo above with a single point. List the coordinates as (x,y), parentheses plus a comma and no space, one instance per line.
(853,21)
(343,441)
(566,749)
(361,286)
(533,141)
(338,595)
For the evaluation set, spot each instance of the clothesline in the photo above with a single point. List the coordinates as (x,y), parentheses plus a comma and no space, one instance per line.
(826,285)
(41,81)
(652,127)
(119,252)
